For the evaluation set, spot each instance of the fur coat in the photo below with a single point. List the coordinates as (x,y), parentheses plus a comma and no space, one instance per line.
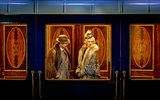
(54,62)
(88,58)
(51,70)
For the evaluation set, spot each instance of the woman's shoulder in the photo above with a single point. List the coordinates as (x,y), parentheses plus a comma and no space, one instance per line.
(95,47)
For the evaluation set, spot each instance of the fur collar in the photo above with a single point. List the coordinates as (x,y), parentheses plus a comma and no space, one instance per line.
(86,54)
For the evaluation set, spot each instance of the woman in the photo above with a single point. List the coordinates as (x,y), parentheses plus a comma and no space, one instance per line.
(88,67)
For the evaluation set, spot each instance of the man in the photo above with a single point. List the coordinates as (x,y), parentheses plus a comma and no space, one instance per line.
(88,67)
(58,59)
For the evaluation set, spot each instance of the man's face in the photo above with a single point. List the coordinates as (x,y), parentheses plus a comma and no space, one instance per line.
(63,45)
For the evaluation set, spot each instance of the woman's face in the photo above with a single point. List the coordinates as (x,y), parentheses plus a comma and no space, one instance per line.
(89,42)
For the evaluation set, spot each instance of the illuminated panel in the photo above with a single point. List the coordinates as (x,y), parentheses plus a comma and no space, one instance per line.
(3,6)
(21,6)
(78,7)
(106,6)
(135,6)
(142,51)
(154,6)
(50,6)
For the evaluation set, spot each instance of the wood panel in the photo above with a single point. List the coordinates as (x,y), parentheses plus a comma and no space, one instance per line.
(14,51)
(157,52)
(142,65)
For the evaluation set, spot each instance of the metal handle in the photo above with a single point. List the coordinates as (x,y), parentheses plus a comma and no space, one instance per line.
(124,77)
(39,74)
(116,85)
(32,72)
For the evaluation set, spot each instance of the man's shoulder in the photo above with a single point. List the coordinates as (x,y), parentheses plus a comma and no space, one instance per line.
(52,50)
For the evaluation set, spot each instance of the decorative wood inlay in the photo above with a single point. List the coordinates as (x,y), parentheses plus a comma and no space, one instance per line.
(15,47)
(141,47)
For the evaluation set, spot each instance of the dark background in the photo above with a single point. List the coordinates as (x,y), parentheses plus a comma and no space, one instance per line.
(80,90)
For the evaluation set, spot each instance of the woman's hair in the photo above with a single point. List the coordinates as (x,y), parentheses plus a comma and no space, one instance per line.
(92,39)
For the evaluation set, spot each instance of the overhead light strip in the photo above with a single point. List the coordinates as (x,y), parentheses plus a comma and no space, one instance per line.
(14,3)
(143,4)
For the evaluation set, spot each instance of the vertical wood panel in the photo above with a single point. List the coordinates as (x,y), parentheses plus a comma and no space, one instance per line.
(14,51)
(142,51)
